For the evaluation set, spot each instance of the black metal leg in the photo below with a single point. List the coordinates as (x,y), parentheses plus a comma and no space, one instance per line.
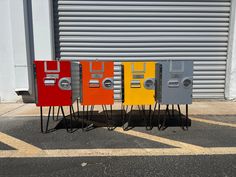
(53,118)
(187,120)
(64,118)
(71,123)
(73,112)
(87,113)
(180,116)
(141,113)
(72,116)
(150,118)
(167,114)
(77,103)
(49,113)
(41,119)
(129,118)
(58,111)
(83,118)
(130,115)
(127,108)
(153,114)
(184,127)
(110,120)
(51,109)
(111,117)
(173,111)
(88,118)
(159,117)
(123,115)
(145,117)
(105,114)
(150,113)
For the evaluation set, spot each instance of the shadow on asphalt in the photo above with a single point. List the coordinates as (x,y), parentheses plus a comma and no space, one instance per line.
(134,119)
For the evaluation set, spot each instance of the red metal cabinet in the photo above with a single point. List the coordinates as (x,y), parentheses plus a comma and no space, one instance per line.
(97,83)
(57,82)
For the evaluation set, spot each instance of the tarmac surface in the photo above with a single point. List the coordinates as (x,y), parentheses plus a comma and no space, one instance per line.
(207,148)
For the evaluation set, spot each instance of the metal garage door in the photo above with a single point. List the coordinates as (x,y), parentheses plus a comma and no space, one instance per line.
(148,30)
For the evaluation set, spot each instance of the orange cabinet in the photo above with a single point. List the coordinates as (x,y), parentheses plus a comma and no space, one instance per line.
(97,85)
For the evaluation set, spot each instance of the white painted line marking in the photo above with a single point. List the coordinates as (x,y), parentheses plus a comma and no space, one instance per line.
(26,150)
(119,152)
(19,144)
(160,139)
(213,122)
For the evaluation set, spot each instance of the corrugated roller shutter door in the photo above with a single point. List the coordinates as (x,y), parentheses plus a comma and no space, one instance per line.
(149,30)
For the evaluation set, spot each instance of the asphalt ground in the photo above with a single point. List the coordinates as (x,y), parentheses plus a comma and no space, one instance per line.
(207,148)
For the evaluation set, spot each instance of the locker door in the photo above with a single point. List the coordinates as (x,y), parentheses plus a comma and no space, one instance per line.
(139,83)
(97,83)
(53,80)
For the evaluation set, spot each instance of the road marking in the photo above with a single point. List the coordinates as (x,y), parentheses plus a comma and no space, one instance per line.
(124,152)
(26,150)
(20,145)
(160,139)
(213,122)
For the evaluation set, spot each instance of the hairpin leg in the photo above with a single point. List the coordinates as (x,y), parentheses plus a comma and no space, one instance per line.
(159,117)
(77,104)
(41,119)
(64,118)
(49,113)
(47,123)
(83,117)
(123,115)
(71,126)
(58,111)
(184,127)
(129,118)
(141,113)
(153,114)
(73,113)
(53,118)
(173,110)
(110,123)
(187,119)
(167,114)
(88,119)
(150,118)
(180,116)
(145,117)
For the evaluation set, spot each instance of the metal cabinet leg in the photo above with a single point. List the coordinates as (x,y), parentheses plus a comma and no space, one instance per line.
(41,119)
(167,116)
(89,114)
(159,117)
(184,124)
(64,118)
(47,123)
(129,118)
(187,119)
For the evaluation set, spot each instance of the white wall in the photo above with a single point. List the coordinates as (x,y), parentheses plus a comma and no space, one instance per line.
(22,43)
(16,43)
(42,12)
(7,75)
(230,89)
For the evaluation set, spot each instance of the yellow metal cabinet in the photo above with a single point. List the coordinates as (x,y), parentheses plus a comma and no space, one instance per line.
(138,83)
